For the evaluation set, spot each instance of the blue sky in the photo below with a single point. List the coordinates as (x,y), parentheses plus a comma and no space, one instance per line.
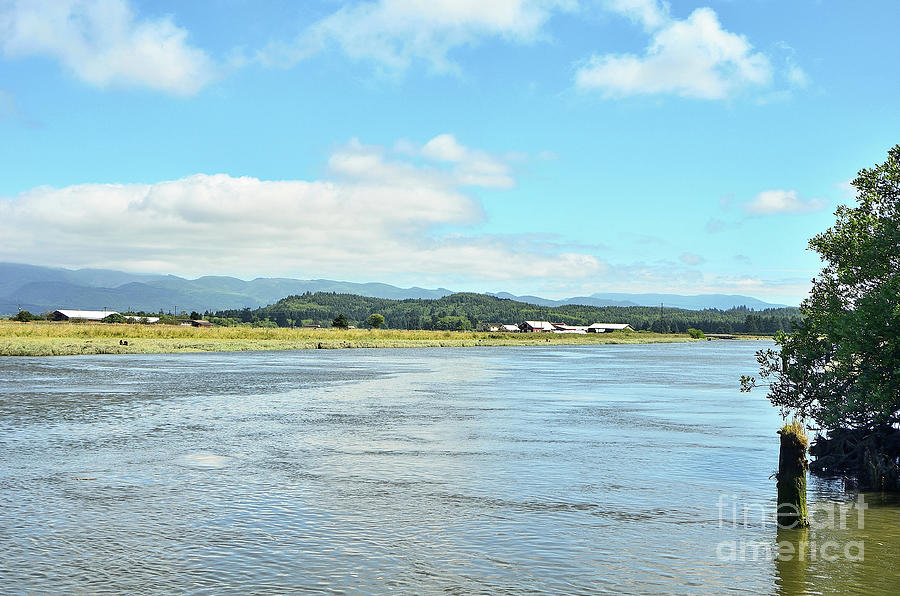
(550,147)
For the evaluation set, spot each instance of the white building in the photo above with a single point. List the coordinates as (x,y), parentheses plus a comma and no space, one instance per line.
(85,315)
(607,327)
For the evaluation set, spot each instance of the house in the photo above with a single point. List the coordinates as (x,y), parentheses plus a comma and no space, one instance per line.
(200,323)
(607,327)
(510,328)
(536,327)
(84,315)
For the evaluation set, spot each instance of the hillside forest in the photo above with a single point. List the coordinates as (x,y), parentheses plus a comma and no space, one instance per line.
(467,311)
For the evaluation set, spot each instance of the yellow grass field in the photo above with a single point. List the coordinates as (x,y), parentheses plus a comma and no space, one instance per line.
(65,339)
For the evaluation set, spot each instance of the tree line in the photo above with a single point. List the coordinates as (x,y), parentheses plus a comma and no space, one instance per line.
(468,311)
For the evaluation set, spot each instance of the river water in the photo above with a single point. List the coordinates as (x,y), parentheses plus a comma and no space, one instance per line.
(619,469)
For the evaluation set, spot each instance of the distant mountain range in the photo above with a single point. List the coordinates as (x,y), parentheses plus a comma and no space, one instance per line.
(696,302)
(40,289)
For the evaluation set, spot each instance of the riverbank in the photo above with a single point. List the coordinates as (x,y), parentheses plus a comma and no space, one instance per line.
(67,339)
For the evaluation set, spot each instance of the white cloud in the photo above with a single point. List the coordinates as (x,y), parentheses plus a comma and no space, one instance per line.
(770,202)
(444,148)
(452,164)
(394,33)
(749,282)
(797,76)
(380,217)
(694,57)
(691,259)
(649,13)
(847,189)
(103,43)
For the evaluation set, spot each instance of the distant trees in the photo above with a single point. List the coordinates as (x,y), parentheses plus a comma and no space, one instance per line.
(470,311)
(375,320)
(114,318)
(340,322)
(24,316)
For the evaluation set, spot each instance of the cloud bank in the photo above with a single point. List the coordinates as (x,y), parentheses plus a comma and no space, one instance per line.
(379,215)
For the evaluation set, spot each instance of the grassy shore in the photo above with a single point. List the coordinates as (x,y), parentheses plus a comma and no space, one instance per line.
(66,339)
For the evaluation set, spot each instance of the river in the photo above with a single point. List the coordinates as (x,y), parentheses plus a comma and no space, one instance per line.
(571,469)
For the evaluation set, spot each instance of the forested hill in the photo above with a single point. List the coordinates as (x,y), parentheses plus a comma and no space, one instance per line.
(467,311)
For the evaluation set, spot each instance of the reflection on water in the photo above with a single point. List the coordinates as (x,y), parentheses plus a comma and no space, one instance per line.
(851,546)
(559,469)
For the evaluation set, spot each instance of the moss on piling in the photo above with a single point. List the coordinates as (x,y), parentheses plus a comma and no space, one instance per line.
(792,466)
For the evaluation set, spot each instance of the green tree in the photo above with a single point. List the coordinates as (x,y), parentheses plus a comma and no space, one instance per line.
(840,367)
(375,320)
(25,316)
(114,318)
(340,322)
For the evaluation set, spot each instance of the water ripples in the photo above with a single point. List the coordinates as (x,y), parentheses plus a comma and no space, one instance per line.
(562,470)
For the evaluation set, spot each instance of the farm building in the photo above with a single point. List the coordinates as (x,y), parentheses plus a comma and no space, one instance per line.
(547,327)
(536,326)
(95,315)
(607,327)
(85,315)
(137,319)
(569,328)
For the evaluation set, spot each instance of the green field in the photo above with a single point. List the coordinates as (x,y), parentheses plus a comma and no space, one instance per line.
(65,339)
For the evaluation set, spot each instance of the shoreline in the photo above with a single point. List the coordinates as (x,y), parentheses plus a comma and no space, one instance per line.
(72,339)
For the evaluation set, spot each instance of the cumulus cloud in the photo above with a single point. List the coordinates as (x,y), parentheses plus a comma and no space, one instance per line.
(394,33)
(103,43)
(694,57)
(378,216)
(771,202)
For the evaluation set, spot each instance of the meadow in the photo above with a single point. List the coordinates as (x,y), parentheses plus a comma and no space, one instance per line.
(38,338)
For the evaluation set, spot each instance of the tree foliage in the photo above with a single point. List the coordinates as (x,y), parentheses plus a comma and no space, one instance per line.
(841,367)
(340,322)
(375,320)
(25,316)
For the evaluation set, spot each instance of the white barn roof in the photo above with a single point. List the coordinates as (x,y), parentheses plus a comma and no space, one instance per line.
(138,318)
(543,325)
(610,326)
(88,315)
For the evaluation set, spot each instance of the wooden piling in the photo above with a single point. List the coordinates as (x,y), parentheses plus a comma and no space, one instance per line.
(791,485)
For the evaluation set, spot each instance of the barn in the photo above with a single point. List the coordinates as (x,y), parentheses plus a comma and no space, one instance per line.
(84,315)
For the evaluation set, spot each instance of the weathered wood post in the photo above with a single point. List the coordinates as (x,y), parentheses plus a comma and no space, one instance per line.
(792,465)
